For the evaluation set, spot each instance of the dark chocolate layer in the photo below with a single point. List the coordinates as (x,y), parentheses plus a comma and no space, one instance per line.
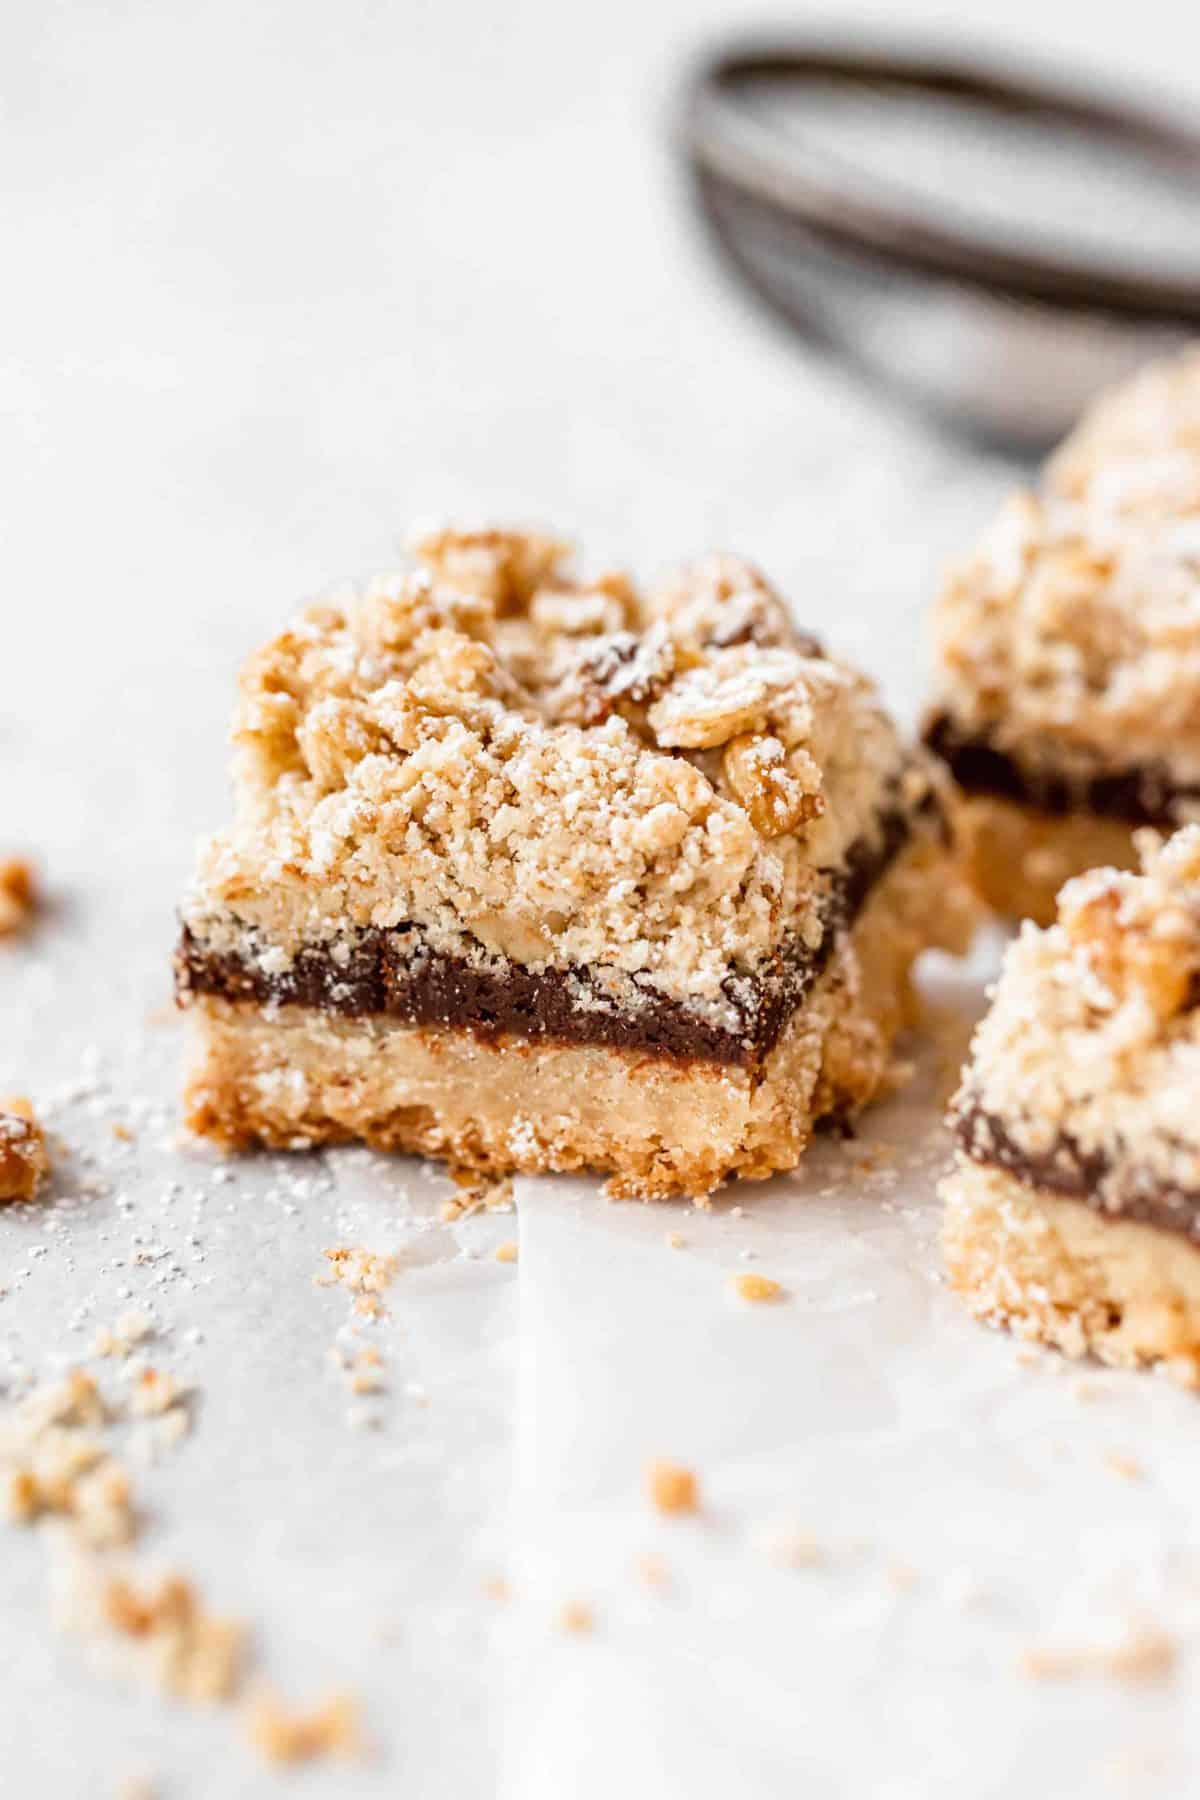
(1077,1174)
(395,973)
(1135,796)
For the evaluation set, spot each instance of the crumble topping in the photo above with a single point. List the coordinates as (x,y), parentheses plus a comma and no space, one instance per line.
(1071,636)
(546,769)
(24,1163)
(1094,1033)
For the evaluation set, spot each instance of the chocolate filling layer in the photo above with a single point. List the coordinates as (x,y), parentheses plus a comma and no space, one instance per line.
(395,973)
(1077,1174)
(1139,796)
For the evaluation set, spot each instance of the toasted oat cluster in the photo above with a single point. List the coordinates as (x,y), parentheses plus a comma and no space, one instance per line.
(24,1162)
(552,769)
(1070,638)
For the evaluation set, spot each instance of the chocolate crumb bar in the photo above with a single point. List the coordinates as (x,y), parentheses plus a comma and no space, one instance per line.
(533,872)
(1067,693)
(1073,1212)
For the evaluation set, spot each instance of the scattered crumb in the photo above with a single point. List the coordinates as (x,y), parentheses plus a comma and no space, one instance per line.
(1027,1357)
(576,1617)
(652,1571)
(155,1630)
(122,1133)
(137,1787)
(153,1392)
(507,1252)
(789,1546)
(362,1271)
(18,894)
(130,1330)
(756,1287)
(476,1193)
(1128,1467)
(365,1373)
(331,1729)
(901,1576)
(497,1588)
(671,1487)
(24,1163)
(1146,1653)
(675,1240)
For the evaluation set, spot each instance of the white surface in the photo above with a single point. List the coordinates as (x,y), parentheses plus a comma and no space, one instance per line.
(279,279)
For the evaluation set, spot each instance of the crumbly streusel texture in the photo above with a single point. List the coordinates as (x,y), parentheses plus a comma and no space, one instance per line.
(1085,1072)
(652,796)
(1072,633)
(554,771)
(1068,641)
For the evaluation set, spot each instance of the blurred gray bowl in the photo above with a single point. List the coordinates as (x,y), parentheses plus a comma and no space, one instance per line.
(994,244)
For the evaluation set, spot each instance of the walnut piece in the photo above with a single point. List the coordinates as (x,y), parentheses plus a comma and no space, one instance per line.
(287,1737)
(18,894)
(24,1162)
(781,793)
(672,1487)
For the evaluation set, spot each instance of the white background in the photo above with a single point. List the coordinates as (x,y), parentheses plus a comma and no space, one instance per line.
(277,280)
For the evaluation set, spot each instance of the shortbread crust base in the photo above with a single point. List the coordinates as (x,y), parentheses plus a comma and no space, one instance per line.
(290,1077)
(1055,1271)
(1018,857)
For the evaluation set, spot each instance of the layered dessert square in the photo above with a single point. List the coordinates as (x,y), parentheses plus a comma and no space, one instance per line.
(1067,693)
(532,872)
(1073,1212)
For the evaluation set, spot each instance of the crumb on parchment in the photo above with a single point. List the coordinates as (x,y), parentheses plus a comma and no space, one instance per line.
(24,1161)
(18,894)
(576,1617)
(756,1287)
(671,1487)
(282,1736)
(1145,1653)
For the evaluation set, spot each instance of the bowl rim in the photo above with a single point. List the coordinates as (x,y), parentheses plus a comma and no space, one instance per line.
(811,191)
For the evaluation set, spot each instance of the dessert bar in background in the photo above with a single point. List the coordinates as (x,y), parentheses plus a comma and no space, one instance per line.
(538,873)
(1073,1212)
(1067,696)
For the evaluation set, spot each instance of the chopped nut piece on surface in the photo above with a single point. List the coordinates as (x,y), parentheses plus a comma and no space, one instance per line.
(756,1287)
(1146,1653)
(190,1652)
(507,1252)
(672,1487)
(18,894)
(577,1618)
(153,1392)
(331,1729)
(24,1163)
